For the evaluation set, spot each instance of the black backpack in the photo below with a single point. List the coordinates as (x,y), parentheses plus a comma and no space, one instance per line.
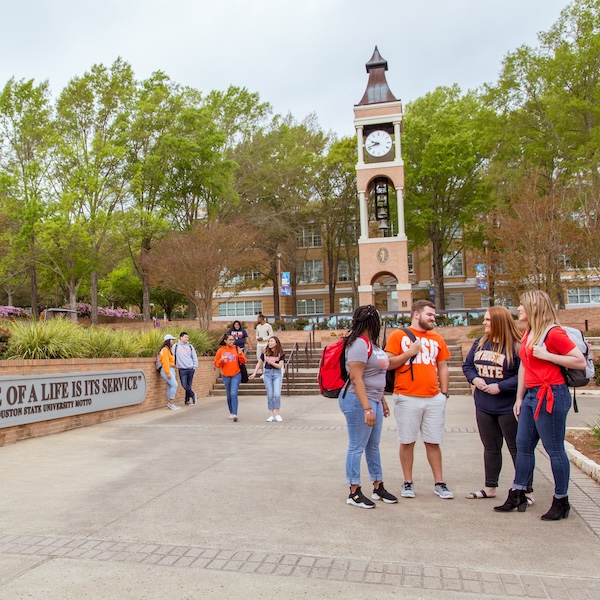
(390,376)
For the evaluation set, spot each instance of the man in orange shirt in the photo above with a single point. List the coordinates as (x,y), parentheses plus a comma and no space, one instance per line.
(420,393)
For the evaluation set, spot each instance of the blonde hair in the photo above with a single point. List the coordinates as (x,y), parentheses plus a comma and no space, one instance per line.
(540,314)
(503,336)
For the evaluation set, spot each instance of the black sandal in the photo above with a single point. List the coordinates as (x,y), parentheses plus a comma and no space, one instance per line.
(476,496)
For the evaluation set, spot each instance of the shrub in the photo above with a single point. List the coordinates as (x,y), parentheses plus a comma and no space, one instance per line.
(595,429)
(56,338)
(14,311)
(475,333)
(59,338)
(300,324)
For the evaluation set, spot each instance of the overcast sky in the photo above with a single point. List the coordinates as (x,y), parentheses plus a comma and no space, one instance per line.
(301,56)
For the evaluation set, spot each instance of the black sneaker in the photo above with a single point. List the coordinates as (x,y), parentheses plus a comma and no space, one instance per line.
(381,493)
(359,499)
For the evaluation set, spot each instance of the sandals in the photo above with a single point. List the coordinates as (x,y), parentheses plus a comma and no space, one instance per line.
(480,495)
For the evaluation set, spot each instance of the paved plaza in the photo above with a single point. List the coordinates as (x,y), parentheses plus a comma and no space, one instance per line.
(188,505)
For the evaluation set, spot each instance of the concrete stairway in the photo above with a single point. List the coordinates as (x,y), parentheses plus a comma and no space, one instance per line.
(305,381)
(459,386)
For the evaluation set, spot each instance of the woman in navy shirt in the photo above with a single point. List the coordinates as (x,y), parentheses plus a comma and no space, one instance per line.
(492,366)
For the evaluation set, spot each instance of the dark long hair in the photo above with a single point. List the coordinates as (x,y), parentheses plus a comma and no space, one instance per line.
(365,317)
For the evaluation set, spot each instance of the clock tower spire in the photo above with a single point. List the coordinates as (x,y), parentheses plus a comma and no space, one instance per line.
(382,246)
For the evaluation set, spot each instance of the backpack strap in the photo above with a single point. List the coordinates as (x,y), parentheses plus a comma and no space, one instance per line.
(413,338)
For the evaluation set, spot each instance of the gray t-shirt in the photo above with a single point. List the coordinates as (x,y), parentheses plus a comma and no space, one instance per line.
(375,367)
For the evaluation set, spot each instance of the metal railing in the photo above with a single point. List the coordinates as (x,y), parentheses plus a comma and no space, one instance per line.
(291,367)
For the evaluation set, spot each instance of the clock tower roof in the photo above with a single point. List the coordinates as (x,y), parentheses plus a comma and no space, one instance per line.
(377,88)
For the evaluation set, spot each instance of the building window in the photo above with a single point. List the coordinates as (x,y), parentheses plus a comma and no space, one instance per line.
(310,271)
(240,309)
(584,295)
(453,265)
(411,266)
(346,305)
(344,272)
(245,278)
(309,238)
(313,306)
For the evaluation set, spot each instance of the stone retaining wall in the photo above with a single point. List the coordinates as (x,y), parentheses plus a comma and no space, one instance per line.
(155,391)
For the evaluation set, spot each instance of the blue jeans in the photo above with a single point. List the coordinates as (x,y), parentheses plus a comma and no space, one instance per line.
(231,387)
(550,428)
(362,438)
(273,380)
(172,384)
(186,376)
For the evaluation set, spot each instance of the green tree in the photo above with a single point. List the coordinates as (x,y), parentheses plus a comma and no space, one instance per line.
(25,141)
(445,153)
(337,212)
(92,123)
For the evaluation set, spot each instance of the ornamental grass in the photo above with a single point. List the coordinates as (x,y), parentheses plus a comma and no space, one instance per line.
(60,338)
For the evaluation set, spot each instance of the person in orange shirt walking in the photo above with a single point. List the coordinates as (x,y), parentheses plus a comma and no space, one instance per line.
(420,393)
(228,359)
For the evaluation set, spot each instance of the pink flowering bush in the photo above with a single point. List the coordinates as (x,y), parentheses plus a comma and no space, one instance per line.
(14,311)
(85,310)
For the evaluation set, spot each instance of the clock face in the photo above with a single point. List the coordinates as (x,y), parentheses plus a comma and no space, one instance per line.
(378,143)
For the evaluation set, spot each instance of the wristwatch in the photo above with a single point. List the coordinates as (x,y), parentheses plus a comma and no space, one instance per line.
(447,394)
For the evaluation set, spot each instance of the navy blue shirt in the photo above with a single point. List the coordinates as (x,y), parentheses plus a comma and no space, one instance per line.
(493,368)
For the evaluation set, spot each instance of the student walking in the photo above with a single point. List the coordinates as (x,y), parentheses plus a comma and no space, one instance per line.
(228,359)
(186,361)
(167,361)
(273,360)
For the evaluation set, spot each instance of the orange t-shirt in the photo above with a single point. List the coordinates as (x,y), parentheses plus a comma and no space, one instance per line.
(424,368)
(228,359)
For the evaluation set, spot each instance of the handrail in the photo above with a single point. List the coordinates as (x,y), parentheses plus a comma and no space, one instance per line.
(291,367)
(310,346)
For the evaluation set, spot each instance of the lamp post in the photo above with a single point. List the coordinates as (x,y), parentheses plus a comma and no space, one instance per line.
(279,286)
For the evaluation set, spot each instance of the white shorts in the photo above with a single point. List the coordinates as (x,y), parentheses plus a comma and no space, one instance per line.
(414,414)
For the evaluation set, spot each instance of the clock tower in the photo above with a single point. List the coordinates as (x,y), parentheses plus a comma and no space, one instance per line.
(382,245)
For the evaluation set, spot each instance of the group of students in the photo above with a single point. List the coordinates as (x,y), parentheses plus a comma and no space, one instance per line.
(519,391)
(181,355)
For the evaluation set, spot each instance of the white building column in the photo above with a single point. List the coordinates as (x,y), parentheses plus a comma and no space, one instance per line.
(397,140)
(400,201)
(361,147)
(364,216)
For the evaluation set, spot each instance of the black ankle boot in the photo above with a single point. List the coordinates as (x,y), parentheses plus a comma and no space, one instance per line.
(559,510)
(516,499)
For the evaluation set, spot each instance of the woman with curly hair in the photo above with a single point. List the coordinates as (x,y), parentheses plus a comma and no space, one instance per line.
(364,406)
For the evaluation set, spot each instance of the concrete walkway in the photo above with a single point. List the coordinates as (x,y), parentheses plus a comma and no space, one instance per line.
(190,505)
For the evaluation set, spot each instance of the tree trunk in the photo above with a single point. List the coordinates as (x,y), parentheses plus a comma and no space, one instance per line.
(192,313)
(438,276)
(73,300)
(94,298)
(34,291)
(145,296)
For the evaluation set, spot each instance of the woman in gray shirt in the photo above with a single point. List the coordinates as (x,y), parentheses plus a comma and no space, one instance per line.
(364,406)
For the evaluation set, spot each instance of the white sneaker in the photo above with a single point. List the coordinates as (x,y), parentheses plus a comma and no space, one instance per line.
(234,418)
(279,418)
(270,419)
(230,417)
(173,406)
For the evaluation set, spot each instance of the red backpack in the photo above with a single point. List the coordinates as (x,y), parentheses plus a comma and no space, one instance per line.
(333,376)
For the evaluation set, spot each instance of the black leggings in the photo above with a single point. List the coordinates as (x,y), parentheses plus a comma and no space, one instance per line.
(493,429)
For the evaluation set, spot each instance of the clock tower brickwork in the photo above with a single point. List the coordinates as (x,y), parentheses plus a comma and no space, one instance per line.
(380,255)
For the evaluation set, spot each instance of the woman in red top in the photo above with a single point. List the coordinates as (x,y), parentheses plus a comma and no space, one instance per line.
(543,401)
